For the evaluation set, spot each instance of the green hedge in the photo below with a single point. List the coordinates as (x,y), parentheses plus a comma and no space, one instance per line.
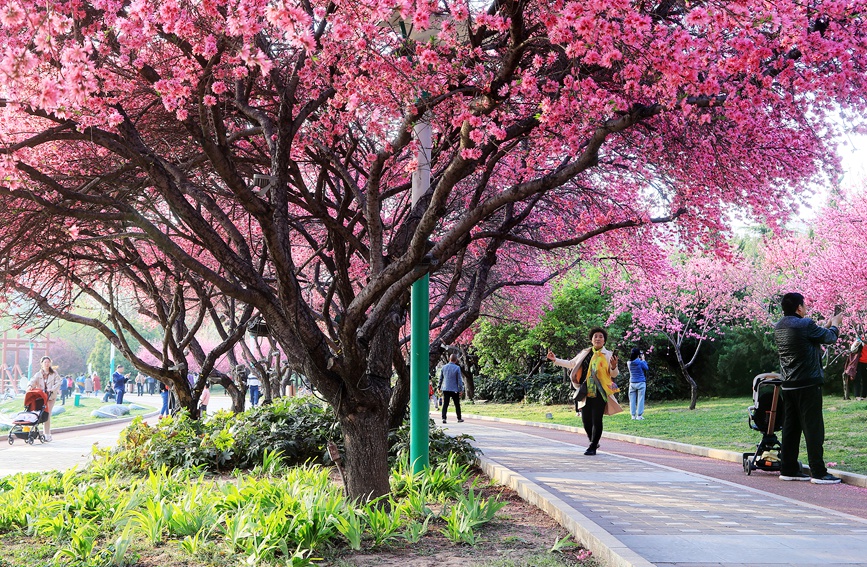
(541,388)
(299,429)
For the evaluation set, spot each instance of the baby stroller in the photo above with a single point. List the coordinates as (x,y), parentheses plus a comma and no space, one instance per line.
(26,423)
(765,415)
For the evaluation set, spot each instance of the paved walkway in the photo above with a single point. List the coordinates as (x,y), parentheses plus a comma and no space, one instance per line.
(72,446)
(634,512)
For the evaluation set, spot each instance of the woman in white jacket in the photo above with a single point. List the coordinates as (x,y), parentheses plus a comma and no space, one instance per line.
(598,367)
(48,381)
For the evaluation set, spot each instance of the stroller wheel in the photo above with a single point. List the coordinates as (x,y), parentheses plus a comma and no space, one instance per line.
(11,440)
(748,465)
(29,441)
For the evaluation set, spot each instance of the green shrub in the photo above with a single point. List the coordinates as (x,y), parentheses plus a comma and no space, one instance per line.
(441,447)
(540,388)
(294,431)
(297,428)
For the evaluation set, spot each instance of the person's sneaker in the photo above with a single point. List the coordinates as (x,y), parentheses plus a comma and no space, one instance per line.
(49,438)
(590,452)
(827,479)
(444,421)
(640,417)
(633,417)
(460,421)
(799,476)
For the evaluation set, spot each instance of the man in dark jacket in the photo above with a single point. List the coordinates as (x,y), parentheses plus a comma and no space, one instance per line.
(451,385)
(799,342)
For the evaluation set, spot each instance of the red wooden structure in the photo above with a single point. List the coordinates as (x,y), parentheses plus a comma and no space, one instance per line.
(14,353)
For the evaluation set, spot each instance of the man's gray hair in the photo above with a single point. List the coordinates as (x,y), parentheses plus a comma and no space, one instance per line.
(453,358)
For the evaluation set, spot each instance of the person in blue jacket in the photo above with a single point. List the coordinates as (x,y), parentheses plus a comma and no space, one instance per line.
(119,381)
(451,385)
(637,383)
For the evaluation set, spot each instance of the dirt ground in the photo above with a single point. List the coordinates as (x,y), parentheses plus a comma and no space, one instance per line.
(520,535)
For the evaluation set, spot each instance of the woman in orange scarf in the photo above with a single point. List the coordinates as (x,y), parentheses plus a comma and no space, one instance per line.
(598,367)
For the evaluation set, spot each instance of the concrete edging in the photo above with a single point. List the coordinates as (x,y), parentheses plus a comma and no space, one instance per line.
(98,424)
(605,547)
(731,456)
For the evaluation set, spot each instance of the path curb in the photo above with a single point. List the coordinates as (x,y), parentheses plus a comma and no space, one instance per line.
(606,548)
(98,424)
(848,477)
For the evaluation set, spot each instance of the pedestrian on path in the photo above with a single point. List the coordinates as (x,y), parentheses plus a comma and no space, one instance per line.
(139,383)
(451,385)
(64,390)
(47,380)
(850,371)
(119,382)
(204,399)
(859,386)
(598,367)
(434,396)
(97,384)
(799,343)
(253,387)
(164,394)
(637,383)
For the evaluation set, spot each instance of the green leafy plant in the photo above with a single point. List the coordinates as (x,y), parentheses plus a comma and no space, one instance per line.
(151,521)
(478,510)
(562,543)
(351,525)
(81,542)
(383,525)
(459,528)
(414,530)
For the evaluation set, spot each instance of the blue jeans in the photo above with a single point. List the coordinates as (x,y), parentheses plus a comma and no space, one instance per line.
(254,395)
(119,399)
(165,396)
(636,398)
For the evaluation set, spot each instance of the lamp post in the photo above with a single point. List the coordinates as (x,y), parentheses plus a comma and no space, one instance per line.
(419,420)
(419,368)
(419,416)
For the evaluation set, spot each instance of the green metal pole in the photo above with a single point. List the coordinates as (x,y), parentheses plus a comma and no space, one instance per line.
(419,398)
(419,375)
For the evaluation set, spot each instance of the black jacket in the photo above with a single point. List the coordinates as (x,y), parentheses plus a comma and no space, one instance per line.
(798,342)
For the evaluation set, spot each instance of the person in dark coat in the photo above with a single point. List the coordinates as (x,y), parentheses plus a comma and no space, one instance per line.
(799,343)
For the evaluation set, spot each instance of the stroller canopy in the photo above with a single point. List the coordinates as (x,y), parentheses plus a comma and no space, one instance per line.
(35,400)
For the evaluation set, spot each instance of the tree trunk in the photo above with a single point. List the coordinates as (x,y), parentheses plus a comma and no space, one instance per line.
(693,387)
(235,393)
(365,434)
(400,396)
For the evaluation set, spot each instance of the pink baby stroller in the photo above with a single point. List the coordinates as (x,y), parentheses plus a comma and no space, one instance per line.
(26,423)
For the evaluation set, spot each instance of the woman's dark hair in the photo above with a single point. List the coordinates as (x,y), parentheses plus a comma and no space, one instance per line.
(595,330)
(791,302)
(634,353)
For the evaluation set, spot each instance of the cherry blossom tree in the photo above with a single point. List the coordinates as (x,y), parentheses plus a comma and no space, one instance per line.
(826,262)
(119,289)
(686,301)
(267,148)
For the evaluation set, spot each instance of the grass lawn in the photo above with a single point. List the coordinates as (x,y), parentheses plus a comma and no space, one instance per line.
(73,415)
(719,423)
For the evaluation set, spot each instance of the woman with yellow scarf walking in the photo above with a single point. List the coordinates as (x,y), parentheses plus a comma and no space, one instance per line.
(596,367)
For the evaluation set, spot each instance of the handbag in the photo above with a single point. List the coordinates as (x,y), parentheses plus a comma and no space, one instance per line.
(581,392)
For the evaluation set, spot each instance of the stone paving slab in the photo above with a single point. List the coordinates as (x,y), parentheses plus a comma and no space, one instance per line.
(632,512)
